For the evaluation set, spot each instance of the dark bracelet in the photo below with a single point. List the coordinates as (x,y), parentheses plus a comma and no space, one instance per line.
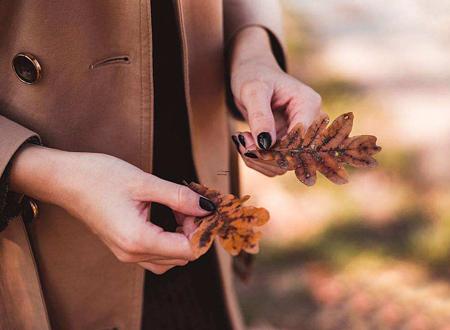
(4,189)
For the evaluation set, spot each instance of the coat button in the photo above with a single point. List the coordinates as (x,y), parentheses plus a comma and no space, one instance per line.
(27,68)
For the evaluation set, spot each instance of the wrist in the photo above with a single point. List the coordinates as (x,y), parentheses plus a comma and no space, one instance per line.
(252,45)
(37,172)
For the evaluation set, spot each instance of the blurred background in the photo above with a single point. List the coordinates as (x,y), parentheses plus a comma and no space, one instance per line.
(374,253)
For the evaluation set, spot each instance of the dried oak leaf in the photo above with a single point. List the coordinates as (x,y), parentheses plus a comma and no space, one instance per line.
(233,224)
(321,148)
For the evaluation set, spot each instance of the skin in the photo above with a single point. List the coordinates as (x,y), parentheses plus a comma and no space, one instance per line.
(269,99)
(112,197)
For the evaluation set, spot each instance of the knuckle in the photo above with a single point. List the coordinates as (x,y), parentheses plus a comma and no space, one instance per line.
(136,183)
(184,196)
(316,99)
(129,244)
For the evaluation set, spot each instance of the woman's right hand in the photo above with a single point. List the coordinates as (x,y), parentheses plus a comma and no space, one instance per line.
(112,198)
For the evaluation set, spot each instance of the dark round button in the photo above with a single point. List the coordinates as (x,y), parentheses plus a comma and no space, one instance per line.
(27,68)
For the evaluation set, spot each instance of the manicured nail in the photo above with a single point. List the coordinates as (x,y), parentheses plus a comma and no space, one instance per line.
(251,155)
(235,141)
(206,204)
(264,140)
(241,139)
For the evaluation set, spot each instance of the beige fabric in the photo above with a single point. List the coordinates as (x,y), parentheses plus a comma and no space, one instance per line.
(106,109)
(12,137)
(21,305)
(243,13)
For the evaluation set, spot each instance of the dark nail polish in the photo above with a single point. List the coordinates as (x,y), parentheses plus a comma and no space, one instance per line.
(264,140)
(241,139)
(235,141)
(206,204)
(251,155)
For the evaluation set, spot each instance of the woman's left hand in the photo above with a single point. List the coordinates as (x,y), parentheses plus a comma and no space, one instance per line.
(271,101)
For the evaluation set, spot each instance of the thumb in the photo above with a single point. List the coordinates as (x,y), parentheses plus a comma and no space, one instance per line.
(256,98)
(178,197)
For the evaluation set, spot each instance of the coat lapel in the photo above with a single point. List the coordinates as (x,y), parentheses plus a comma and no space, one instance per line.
(201,24)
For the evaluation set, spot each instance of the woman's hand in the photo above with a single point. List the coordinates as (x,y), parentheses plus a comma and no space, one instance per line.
(271,101)
(112,198)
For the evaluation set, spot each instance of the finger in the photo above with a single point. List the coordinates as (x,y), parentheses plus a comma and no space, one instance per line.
(281,122)
(178,197)
(240,147)
(235,140)
(170,262)
(154,241)
(256,98)
(271,168)
(189,226)
(137,258)
(250,157)
(179,217)
(156,269)
(247,146)
(257,166)
(246,142)
(304,108)
(186,224)
(262,170)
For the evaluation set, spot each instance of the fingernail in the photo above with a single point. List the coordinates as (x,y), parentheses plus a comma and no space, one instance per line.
(264,140)
(235,141)
(206,204)
(251,155)
(241,139)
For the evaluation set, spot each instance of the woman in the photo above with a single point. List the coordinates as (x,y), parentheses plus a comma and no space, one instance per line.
(99,95)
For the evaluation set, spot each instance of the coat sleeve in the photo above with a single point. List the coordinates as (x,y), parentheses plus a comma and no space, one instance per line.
(239,14)
(12,137)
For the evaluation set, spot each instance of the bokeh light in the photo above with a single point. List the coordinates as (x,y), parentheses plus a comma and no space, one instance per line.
(374,253)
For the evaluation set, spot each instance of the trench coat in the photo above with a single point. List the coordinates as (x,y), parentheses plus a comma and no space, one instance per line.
(91,91)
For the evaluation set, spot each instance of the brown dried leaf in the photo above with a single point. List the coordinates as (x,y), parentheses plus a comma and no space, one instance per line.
(322,149)
(234,224)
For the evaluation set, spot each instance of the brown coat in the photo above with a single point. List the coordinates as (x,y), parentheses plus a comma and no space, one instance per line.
(66,276)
